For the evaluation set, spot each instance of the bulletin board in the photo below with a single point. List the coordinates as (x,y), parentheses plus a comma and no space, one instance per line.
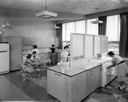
(77,45)
(88,46)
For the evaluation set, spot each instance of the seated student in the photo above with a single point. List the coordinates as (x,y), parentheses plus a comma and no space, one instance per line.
(29,65)
(36,59)
(35,56)
(122,68)
(35,49)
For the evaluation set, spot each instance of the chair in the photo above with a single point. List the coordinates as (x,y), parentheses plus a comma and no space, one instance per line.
(28,73)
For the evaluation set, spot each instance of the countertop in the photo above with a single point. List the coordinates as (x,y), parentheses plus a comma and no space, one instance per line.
(76,67)
(101,60)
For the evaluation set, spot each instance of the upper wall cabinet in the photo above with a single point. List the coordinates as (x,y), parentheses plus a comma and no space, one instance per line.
(77,45)
(88,46)
(97,45)
(85,45)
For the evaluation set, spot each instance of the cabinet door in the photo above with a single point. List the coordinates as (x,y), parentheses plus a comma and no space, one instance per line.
(51,83)
(94,79)
(89,81)
(56,85)
(97,77)
(61,87)
(81,84)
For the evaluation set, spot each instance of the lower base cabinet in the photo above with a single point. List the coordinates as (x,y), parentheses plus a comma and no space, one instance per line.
(94,79)
(61,86)
(73,88)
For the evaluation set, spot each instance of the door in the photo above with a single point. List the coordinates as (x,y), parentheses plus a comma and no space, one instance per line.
(94,79)
(51,83)
(81,84)
(89,81)
(56,85)
(97,77)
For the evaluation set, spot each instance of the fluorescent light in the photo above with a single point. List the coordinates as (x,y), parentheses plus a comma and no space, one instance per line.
(97,22)
(46,14)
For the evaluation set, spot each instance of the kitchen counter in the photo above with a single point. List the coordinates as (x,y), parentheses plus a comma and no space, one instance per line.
(101,60)
(75,68)
(73,83)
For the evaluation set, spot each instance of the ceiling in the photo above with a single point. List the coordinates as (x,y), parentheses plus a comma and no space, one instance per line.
(66,9)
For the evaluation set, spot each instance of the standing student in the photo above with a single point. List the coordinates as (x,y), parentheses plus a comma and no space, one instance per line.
(53,49)
(122,68)
(65,55)
(53,55)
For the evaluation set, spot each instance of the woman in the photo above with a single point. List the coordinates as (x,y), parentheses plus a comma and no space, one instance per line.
(65,56)
(122,68)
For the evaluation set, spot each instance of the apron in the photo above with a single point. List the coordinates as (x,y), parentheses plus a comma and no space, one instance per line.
(122,69)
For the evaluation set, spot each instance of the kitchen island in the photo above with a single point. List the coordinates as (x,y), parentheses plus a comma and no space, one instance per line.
(73,83)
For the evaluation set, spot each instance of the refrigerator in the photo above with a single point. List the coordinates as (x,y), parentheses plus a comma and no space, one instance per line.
(4,58)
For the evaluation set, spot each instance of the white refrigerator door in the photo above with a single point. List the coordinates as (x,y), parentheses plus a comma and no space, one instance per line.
(4,58)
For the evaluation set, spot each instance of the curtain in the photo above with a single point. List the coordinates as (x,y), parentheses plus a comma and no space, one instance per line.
(102,26)
(123,46)
(59,35)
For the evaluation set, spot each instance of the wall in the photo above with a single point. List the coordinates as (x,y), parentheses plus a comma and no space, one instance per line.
(33,31)
(1,31)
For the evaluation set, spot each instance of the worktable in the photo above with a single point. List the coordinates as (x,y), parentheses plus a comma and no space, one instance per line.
(72,83)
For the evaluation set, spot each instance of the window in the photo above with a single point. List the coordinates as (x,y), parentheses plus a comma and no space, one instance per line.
(113,33)
(72,27)
(63,32)
(113,28)
(80,26)
(92,28)
(68,28)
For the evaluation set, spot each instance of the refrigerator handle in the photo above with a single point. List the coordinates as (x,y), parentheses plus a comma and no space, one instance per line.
(2,51)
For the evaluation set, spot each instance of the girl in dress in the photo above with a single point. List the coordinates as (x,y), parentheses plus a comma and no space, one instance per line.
(121,68)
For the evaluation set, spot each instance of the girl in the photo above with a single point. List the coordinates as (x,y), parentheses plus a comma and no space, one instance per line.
(122,68)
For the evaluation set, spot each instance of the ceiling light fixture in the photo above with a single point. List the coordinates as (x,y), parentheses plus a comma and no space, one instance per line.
(96,21)
(45,14)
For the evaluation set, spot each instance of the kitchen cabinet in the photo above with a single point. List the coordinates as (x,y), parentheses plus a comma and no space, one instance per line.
(94,79)
(61,86)
(81,86)
(70,84)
